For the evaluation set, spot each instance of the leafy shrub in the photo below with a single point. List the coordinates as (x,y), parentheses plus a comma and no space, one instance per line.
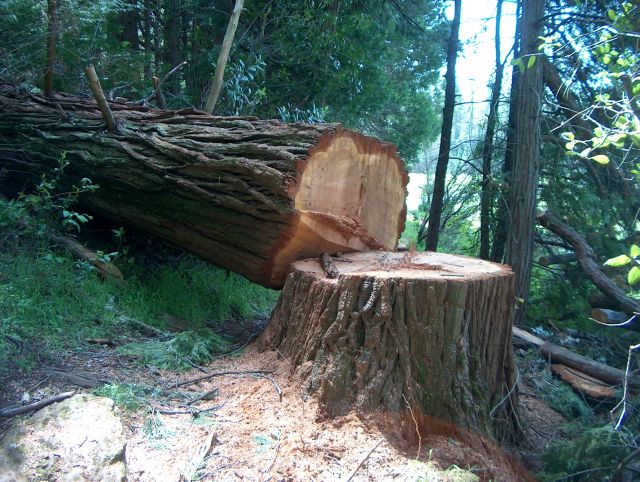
(592,454)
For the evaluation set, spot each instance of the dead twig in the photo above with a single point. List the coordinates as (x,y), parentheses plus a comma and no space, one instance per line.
(273,382)
(617,475)
(415,423)
(221,374)
(101,100)
(157,89)
(13,411)
(273,461)
(625,393)
(210,395)
(148,328)
(366,457)
(192,412)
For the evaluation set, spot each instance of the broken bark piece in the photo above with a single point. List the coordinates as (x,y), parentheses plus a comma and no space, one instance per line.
(249,195)
(431,331)
(583,383)
(328,266)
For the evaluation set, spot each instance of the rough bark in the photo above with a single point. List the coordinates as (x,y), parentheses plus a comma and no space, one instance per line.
(526,157)
(502,211)
(425,329)
(486,195)
(251,196)
(437,200)
(590,267)
(52,32)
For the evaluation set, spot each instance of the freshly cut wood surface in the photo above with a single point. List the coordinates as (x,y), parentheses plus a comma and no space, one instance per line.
(430,331)
(582,382)
(249,195)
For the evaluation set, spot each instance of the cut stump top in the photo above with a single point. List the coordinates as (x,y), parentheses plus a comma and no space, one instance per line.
(408,265)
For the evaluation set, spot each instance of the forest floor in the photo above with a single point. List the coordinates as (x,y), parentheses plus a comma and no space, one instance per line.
(251,432)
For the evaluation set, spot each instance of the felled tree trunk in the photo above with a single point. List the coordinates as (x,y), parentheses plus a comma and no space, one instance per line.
(251,196)
(426,330)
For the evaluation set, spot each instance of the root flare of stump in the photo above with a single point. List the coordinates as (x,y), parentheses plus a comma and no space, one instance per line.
(426,329)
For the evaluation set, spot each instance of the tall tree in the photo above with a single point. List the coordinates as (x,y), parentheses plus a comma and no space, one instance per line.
(486,197)
(502,212)
(52,26)
(435,211)
(216,83)
(526,154)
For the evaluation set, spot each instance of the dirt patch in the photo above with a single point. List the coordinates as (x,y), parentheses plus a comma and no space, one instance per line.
(253,433)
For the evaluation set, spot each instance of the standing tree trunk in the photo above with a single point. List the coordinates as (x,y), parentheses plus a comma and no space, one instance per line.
(428,331)
(172,30)
(502,215)
(486,197)
(249,195)
(148,42)
(52,32)
(216,83)
(526,156)
(435,211)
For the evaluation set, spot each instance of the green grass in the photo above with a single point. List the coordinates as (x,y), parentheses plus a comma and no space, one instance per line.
(50,304)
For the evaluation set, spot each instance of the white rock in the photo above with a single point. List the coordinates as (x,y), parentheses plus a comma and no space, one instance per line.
(78,439)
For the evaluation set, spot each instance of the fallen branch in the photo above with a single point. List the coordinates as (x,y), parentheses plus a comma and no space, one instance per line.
(611,317)
(104,268)
(558,354)
(221,374)
(273,382)
(583,383)
(353,474)
(13,411)
(162,103)
(210,395)
(192,412)
(586,258)
(157,87)
(96,88)
(144,327)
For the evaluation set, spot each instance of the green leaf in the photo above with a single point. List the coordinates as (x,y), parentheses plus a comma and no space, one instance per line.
(634,275)
(618,261)
(600,159)
(519,63)
(531,62)
(634,251)
(570,145)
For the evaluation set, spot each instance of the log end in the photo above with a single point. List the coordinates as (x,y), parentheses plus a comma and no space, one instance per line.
(350,196)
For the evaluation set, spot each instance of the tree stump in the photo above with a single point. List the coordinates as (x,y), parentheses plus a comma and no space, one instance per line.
(429,331)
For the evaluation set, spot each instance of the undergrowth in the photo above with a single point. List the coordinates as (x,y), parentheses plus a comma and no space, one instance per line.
(50,304)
